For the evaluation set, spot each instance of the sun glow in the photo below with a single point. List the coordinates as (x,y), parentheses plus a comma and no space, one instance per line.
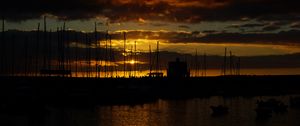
(132,62)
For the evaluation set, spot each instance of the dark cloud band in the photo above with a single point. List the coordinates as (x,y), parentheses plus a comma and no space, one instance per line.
(187,11)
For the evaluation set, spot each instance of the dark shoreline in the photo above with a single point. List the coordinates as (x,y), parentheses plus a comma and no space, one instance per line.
(107,91)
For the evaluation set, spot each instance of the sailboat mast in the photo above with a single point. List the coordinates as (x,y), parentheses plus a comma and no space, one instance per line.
(49,52)
(196,64)
(239,66)
(25,56)
(86,57)
(89,56)
(115,70)
(224,67)
(230,62)
(76,54)
(45,43)
(124,53)
(106,59)
(66,42)
(96,51)
(205,64)
(131,57)
(58,33)
(157,56)
(110,57)
(37,50)
(135,59)
(150,61)
(13,55)
(63,40)
(2,47)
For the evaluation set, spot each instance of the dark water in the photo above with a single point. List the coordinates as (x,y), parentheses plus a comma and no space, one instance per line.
(193,112)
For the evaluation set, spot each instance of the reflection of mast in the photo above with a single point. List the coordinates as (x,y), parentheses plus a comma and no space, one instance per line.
(124,53)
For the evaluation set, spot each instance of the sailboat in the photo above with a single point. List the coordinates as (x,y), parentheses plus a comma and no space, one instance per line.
(157,72)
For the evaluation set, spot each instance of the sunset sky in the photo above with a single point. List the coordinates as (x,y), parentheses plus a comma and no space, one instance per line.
(247,27)
(265,33)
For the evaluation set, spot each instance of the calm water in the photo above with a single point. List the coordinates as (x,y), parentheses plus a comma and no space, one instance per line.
(193,112)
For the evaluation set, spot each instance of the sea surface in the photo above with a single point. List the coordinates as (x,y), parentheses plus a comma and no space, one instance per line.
(188,112)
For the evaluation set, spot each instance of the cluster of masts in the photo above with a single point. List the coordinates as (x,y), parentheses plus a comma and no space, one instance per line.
(233,66)
(44,60)
(199,66)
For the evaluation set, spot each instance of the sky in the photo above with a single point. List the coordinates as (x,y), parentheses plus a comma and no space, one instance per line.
(246,27)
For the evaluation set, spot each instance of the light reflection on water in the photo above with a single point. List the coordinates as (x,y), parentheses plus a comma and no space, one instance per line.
(193,112)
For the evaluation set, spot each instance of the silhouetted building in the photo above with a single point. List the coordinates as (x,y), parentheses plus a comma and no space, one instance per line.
(178,69)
